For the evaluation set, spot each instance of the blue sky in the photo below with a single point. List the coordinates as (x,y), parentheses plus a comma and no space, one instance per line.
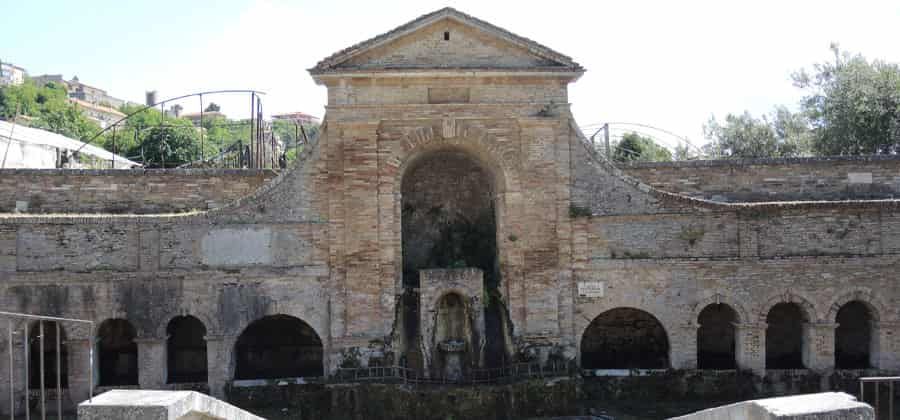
(664,63)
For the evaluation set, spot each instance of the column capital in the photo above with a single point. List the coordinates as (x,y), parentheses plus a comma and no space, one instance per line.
(219,337)
(821,325)
(149,340)
(750,326)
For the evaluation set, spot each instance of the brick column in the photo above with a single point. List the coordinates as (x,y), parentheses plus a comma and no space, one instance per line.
(818,346)
(885,345)
(151,362)
(750,347)
(79,367)
(220,363)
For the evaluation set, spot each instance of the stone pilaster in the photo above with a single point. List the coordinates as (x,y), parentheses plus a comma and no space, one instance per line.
(80,369)
(220,363)
(683,348)
(750,347)
(886,346)
(151,362)
(818,346)
(18,373)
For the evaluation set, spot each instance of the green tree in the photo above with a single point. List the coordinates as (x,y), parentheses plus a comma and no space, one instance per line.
(154,139)
(48,108)
(853,105)
(783,134)
(212,107)
(634,147)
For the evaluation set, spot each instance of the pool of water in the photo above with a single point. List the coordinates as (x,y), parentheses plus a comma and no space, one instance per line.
(618,410)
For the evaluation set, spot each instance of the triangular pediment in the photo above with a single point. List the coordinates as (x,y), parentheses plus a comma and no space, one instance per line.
(446,39)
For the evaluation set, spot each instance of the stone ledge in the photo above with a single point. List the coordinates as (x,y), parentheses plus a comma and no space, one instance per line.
(760,161)
(138,172)
(825,405)
(159,405)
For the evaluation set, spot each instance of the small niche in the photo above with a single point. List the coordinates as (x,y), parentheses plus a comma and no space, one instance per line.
(446,35)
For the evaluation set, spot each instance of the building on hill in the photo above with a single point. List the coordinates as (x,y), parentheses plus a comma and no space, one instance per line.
(195,117)
(94,95)
(101,114)
(298,117)
(50,78)
(80,91)
(11,74)
(451,221)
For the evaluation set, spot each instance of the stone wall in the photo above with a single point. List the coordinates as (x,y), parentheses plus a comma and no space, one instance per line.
(754,180)
(323,242)
(134,191)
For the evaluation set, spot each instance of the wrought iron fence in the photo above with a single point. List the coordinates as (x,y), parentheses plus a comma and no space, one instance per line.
(160,141)
(876,400)
(12,318)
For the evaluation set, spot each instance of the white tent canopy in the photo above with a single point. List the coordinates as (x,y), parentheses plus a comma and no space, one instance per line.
(26,147)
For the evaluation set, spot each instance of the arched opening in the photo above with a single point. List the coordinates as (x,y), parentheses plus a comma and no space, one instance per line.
(186,350)
(449,220)
(625,338)
(49,356)
(452,336)
(715,337)
(278,346)
(452,322)
(853,337)
(784,337)
(118,353)
(448,216)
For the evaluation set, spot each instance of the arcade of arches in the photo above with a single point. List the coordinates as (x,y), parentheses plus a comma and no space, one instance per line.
(626,338)
(282,346)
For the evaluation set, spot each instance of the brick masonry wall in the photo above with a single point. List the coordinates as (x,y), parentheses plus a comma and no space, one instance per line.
(124,191)
(754,180)
(323,242)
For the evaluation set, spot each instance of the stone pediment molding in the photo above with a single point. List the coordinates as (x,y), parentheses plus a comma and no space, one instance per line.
(542,57)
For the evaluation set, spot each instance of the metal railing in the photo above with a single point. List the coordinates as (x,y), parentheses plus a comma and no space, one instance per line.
(511,372)
(878,381)
(257,146)
(11,318)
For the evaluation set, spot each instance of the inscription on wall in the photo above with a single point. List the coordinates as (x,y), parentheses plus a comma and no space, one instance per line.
(591,289)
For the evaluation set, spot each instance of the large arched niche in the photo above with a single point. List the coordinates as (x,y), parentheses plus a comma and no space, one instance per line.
(450,208)
(448,214)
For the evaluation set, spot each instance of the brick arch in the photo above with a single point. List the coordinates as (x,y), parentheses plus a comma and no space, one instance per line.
(211,327)
(249,369)
(421,141)
(877,308)
(663,349)
(719,298)
(805,304)
(451,291)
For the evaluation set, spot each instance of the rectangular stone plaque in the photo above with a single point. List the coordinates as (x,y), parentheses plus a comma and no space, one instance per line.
(859,177)
(590,289)
(452,95)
